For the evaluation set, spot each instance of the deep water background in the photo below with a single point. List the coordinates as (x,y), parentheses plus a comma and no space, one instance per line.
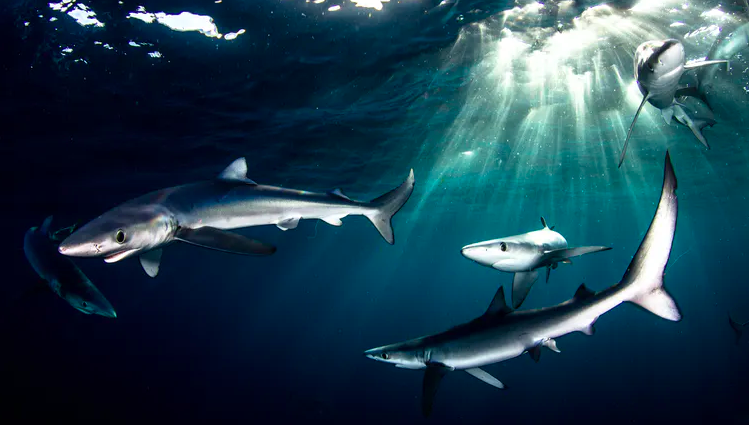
(325,100)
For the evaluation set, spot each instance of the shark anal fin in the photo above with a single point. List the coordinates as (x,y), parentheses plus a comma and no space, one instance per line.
(150,261)
(588,330)
(498,305)
(631,127)
(521,285)
(221,240)
(236,171)
(535,353)
(288,223)
(486,377)
(432,378)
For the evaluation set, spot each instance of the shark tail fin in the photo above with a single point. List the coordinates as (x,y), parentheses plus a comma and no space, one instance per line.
(643,279)
(737,327)
(387,205)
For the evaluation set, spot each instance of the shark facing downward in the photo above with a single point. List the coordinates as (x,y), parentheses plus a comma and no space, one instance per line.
(658,67)
(201,213)
(501,334)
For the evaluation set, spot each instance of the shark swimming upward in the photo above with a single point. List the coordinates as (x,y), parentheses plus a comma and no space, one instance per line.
(201,213)
(501,334)
(658,67)
(524,255)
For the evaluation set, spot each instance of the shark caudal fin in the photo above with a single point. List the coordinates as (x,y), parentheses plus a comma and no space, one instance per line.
(643,279)
(387,205)
(737,327)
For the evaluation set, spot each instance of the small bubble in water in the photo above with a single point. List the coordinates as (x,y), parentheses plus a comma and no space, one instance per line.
(460,18)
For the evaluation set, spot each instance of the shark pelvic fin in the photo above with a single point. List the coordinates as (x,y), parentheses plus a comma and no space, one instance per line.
(486,377)
(548,272)
(668,114)
(288,223)
(498,305)
(221,240)
(432,378)
(632,126)
(521,285)
(150,261)
(236,171)
(551,344)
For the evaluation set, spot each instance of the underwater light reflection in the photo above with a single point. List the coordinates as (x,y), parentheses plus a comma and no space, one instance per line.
(541,96)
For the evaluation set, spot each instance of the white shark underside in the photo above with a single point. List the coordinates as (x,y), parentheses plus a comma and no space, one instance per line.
(502,334)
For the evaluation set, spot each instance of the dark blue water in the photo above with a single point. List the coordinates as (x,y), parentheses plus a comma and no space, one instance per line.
(504,114)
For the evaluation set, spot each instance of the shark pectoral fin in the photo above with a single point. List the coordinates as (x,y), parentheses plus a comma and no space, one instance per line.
(498,304)
(551,344)
(668,114)
(567,253)
(333,221)
(432,378)
(486,377)
(632,126)
(150,261)
(521,285)
(535,353)
(700,64)
(236,171)
(221,240)
(288,223)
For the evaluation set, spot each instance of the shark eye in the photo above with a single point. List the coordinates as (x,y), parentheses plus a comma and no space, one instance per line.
(119,237)
(502,246)
(385,356)
(84,304)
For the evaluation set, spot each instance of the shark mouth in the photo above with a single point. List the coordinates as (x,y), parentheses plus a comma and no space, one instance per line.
(119,256)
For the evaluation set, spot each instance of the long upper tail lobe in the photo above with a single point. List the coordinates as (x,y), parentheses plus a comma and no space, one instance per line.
(644,276)
(387,205)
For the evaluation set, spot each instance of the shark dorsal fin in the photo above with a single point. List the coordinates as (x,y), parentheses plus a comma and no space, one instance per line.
(46,225)
(498,305)
(338,193)
(236,171)
(583,292)
(543,222)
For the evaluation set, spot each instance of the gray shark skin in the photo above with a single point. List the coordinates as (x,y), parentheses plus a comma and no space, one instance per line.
(658,66)
(61,275)
(501,334)
(738,328)
(725,49)
(200,213)
(524,254)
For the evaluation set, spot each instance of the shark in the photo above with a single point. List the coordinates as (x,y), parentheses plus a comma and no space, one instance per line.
(658,67)
(61,275)
(502,333)
(737,327)
(524,255)
(691,113)
(201,214)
